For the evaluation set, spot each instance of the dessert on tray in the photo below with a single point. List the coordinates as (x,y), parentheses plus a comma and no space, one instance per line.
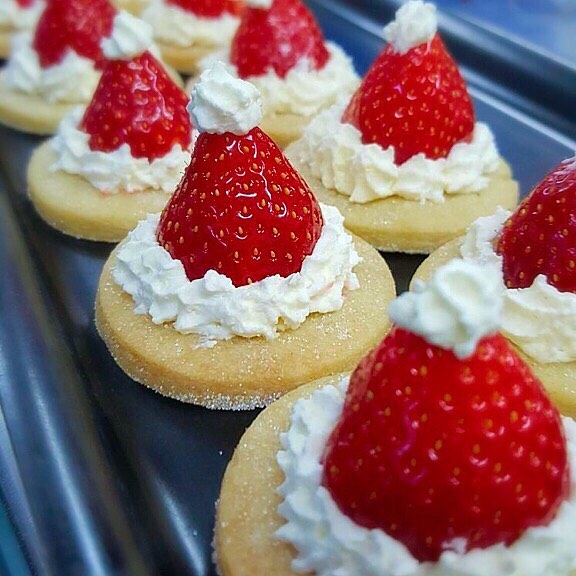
(188,30)
(16,16)
(279,47)
(404,160)
(534,251)
(440,456)
(56,67)
(244,287)
(112,163)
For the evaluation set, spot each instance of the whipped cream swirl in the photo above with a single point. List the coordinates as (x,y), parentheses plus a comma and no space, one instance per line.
(177,27)
(333,152)
(539,319)
(415,24)
(14,17)
(214,308)
(460,305)
(328,542)
(130,37)
(304,91)
(117,171)
(73,80)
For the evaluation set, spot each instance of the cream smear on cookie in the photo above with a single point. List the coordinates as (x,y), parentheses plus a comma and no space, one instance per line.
(328,542)
(177,27)
(214,308)
(117,171)
(304,91)
(539,319)
(14,17)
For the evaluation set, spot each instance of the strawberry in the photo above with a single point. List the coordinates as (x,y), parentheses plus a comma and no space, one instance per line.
(240,209)
(431,448)
(277,39)
(25,3)
(79,25)
(138,104)
(209,8)
(539,237)
(416,102)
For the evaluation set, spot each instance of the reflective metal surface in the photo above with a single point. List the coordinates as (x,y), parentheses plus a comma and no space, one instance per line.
(100,475)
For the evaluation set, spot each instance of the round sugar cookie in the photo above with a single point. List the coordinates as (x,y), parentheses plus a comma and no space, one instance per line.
(246,514)
(5,42)
(244,373)
(185,59)
(69,203)
(30,112)
(559,378)
(394,224)
(284,128)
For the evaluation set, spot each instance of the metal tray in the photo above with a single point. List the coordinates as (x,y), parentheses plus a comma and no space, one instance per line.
(99,475)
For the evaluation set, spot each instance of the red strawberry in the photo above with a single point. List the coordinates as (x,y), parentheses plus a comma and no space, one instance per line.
(76,24)
(209,8)
(137,103)
(277,39)
(25,3)
(240,209)
(539,238)
(431,448)
(416,102)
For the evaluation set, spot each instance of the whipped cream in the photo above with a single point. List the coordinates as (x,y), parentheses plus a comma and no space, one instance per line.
(14,17)
(539,319)
(328,542)
(333,152)
(460,305)
(222,103)
(73,80)
(415,24)
(117,171)
(214,308)
(177,27)
(130,37)
(304,91)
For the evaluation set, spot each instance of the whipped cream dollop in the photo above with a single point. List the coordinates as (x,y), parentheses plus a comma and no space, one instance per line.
(223,103)
(328,542)
(117,171)
(333,152)
(460,305)
(539,319)
(178,27)
(214,308)
(14,17)
(130,37)
(73,80)
(415,24)
(304,91)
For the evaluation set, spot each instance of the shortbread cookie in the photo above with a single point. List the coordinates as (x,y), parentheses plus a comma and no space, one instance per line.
(133,6)
(372,474)
(69,203)
(244,373)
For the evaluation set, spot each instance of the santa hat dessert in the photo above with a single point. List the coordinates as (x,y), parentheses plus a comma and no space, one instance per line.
(16,16)
(404,160)
(55,67)
(440,455)
(188,30)
(121,157)
(533,250)
(279,47)
(244,287)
